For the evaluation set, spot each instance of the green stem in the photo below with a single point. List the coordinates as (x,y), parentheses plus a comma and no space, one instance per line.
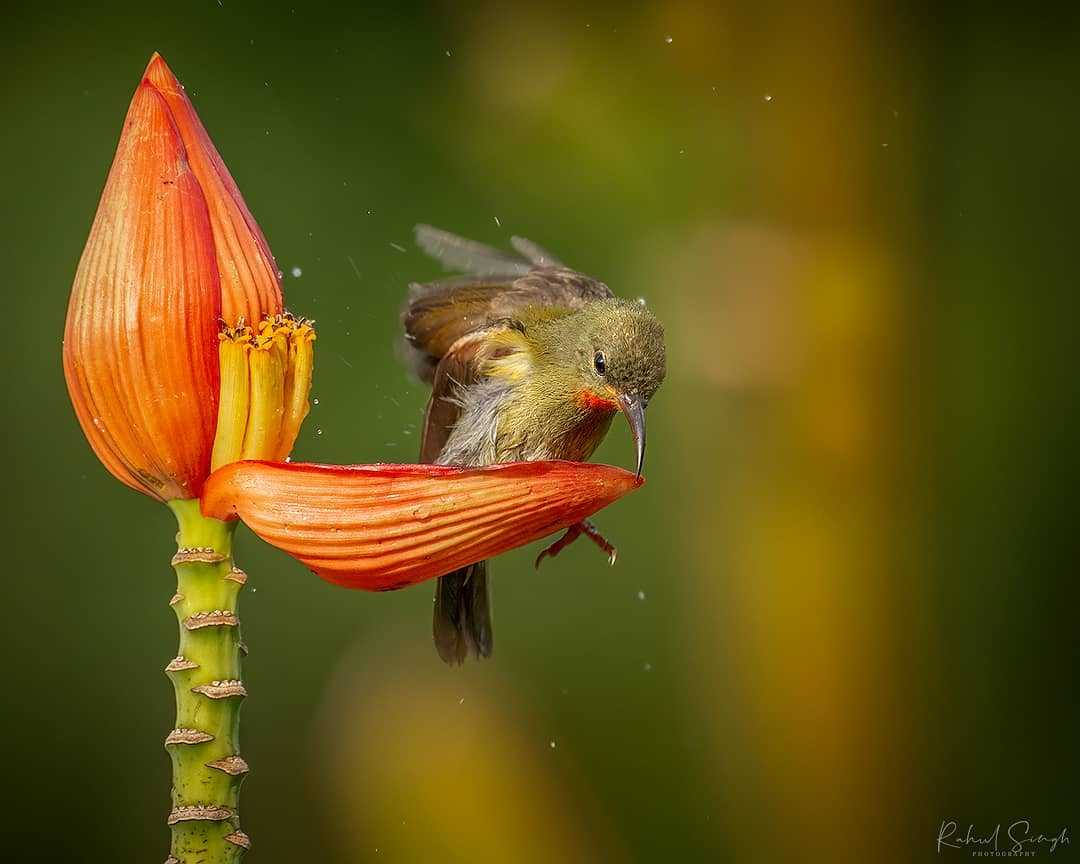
(205,745)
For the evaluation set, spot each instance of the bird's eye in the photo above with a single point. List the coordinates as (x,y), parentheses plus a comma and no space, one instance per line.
(600,362)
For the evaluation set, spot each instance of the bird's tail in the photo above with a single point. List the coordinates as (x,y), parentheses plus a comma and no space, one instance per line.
(462,619)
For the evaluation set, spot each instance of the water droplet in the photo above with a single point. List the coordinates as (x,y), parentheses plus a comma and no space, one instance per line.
(640,595)
(668,39)
(297,272)
(641,301)
(552,743)
(768,97)
(315,401)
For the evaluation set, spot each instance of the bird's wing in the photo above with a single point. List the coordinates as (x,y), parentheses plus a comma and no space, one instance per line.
(478,259)
(438,314)
(538,256)
(460,367)
(468,256)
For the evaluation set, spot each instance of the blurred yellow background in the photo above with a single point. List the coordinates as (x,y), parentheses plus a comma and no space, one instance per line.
(843,603)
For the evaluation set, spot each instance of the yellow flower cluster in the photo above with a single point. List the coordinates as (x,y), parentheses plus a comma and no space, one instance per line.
(265,382)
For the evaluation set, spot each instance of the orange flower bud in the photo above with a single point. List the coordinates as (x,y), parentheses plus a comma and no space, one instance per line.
(379,527)
(172,249)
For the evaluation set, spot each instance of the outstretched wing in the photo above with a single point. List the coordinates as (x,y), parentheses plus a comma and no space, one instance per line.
(479,259)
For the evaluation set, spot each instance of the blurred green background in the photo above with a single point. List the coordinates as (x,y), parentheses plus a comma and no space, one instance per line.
(845,603)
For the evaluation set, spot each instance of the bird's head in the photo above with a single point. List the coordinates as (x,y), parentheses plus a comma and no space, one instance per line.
(616,349)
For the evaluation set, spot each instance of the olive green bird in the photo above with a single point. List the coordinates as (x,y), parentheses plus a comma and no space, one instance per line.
(527,360)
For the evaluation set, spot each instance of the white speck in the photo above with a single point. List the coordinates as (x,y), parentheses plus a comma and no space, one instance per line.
(668,39)
(461,701)
(447,52)
(647,667)
(497,222)
(641,301)
(884,144)
(297,272)
(640,595)
(768,97)
(552,743)
(682,151)
(315,401)
(318,430)
(254,589)
(398,247)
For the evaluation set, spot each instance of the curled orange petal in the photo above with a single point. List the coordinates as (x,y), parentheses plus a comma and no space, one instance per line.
(140,343)
(250,286)
(379,527)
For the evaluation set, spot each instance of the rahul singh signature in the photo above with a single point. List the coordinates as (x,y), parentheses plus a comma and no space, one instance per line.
(1019,840)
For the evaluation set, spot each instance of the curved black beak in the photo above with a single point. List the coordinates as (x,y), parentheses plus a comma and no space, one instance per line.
(634,409)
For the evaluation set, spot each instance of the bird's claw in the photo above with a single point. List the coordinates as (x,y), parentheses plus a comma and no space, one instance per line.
(585,528)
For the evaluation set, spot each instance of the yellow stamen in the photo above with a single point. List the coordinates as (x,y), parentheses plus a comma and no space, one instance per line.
(233,350)
(265,382)
(297,385)
(267,390)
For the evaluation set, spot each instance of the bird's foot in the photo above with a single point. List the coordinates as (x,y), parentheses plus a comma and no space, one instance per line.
(585,528)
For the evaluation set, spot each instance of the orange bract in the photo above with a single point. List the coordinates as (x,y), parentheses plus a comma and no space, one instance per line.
(249,282)
(140,345)
(379,527)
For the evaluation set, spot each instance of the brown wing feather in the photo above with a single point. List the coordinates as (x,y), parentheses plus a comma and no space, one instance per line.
(459,367)
(437,314)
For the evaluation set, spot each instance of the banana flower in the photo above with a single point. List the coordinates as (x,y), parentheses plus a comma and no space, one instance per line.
(191,382)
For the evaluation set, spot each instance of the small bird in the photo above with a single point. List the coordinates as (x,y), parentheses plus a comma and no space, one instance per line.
(527,360)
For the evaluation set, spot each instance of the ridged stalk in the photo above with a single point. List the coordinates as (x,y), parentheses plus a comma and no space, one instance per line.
(205,743)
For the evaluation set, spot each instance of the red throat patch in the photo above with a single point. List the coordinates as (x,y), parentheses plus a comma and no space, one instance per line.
(595,402)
